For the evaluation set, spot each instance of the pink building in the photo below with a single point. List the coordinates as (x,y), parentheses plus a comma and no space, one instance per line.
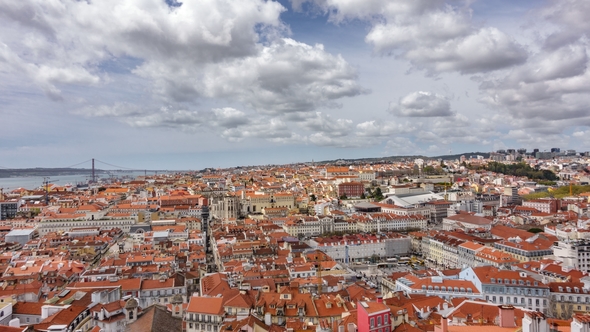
(373,317)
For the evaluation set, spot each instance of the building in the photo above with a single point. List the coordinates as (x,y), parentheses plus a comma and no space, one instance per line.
(534,248)
(204,314)
(568,298)
(574,254)
(8,209)
(510,196)
(437,286)
(21,236)
(67,224)
(351,189)
(544,205)
(359,247)
(466,253)
(508,287)
(373,317)
(466,222)
(256,202)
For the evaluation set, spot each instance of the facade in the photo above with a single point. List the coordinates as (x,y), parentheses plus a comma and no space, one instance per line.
(379,222)
(508,287)
(204,314)
(531,249)
(8,210)
(66,225)
(510,196)
(438,286)
(373,317)
(21,236)
(569,298)
(362,247)
(256,202)
(543,205)
(574,254)
(351,189)
(466,253)
(226,207)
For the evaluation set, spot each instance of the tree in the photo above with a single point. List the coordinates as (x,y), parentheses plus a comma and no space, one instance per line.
(312,197)
(363,196)
(343,196)
(378,195)
(428,169)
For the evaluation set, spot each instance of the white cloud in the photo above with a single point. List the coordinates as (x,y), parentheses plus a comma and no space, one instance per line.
(570,18)
(219,49)
(271,129)
(187,63)
(422,104)
(431,35)
(383,128)
(323,123)
(548,93)
(117,110)
(402,146)
(285,77)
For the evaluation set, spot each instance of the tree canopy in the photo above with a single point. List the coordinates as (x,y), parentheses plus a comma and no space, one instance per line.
(521,169)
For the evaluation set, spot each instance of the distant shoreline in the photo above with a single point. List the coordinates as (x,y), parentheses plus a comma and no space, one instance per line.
(36,172)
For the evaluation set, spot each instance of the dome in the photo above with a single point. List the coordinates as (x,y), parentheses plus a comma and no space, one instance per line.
(131,304)
(176,299)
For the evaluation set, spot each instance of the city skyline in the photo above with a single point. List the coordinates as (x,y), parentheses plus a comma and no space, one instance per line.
(227,83)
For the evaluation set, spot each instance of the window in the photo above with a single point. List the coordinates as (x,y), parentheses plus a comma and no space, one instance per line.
(372,322)
(385,319)
(379,321)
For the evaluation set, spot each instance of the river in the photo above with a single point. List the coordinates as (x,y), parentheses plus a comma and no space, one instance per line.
(33,182)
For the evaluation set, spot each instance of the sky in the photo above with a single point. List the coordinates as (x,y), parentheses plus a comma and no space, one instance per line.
(164,84)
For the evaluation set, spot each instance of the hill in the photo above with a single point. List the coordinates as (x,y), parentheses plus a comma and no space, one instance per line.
(402,158)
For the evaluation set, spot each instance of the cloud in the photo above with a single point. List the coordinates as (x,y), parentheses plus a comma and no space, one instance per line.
(320,122)
(219,50)
(228,117)
(267,128)
(422,104)
(285,77)
(431,35)
(570,18)
(382,128)
(324,139)
(118,109)
(402,146)
(548,93)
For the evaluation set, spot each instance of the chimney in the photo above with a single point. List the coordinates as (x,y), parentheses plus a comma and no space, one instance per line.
(507,316)
(380,298)
(444,324)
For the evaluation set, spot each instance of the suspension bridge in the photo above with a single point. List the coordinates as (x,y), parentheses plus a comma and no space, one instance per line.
(92,168)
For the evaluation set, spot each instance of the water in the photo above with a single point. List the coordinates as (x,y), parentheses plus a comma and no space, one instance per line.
(33,182)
